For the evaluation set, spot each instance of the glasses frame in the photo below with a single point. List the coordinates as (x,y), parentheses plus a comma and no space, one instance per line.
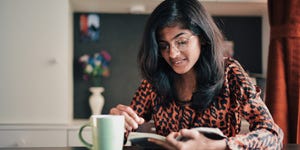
(176,43)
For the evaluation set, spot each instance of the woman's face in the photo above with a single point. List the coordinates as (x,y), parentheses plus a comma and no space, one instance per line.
(180,48)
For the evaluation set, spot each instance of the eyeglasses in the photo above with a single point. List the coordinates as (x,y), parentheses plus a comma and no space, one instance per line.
(180,43)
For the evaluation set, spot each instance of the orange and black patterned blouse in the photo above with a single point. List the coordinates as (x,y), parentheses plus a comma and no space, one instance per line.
(239,99)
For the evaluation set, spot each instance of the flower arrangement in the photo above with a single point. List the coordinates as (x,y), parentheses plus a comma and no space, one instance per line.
(95,66)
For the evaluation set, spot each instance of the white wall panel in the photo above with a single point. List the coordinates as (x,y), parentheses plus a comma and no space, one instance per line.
(35,61)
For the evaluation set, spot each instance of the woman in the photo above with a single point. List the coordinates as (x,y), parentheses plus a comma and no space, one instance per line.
(188,83)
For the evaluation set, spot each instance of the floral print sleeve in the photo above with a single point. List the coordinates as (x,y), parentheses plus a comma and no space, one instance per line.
(143,99)
(264,133)
(142,102)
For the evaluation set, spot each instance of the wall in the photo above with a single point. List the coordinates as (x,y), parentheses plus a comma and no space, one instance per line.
(246,34)
(35,61)
(265,42)
(120,35)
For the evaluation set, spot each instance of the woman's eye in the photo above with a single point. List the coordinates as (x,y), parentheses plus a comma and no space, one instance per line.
(182,42)
(163,47)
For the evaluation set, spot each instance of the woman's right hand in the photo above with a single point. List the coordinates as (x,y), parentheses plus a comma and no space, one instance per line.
(132,120)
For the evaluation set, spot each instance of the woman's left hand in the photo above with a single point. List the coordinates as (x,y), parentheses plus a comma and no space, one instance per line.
(196,141)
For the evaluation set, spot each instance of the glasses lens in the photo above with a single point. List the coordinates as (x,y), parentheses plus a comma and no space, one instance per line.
(182,43)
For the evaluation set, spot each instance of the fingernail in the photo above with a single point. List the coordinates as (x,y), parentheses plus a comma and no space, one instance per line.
(135,126)
(141,119)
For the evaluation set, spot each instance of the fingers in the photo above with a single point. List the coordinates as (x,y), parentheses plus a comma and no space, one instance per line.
(131,113)
(132,120)
(171,138)
(131,123)
(191,134)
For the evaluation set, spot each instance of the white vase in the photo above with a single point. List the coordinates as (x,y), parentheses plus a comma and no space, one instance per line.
(96,100)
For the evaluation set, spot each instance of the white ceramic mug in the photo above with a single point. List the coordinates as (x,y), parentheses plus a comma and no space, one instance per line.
(107,132)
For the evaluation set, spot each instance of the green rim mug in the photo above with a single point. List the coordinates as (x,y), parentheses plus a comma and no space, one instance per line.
(107,132)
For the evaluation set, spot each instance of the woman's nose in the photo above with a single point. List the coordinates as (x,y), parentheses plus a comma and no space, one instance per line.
(174,52)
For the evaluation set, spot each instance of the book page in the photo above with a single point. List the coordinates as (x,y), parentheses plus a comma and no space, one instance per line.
(141,138)
(212,133)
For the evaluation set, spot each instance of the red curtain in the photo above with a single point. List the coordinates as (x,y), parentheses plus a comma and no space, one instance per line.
(282,91)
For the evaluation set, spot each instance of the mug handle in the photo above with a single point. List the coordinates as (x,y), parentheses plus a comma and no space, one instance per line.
(87,144)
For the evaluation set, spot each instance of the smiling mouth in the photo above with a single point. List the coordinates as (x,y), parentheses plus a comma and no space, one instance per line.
(177,62)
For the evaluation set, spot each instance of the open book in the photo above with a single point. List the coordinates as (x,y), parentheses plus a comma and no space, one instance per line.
(141,138)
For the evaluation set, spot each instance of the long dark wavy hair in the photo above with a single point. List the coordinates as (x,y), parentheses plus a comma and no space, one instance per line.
(191,15)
